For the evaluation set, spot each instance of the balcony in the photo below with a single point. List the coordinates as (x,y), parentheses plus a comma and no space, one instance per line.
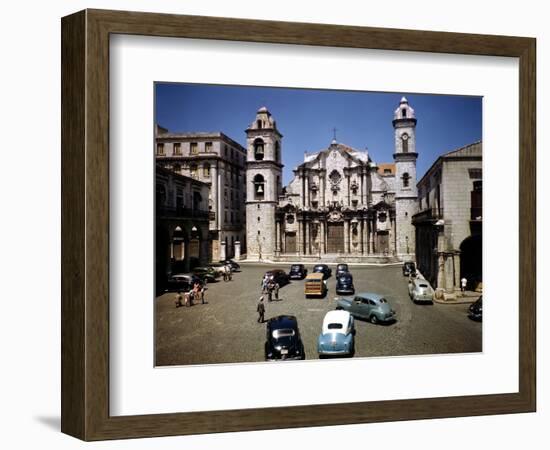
(428,215)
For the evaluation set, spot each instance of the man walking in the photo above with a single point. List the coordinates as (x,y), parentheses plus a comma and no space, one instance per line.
(178,299)
(463,283)
(261,309)
(276,290)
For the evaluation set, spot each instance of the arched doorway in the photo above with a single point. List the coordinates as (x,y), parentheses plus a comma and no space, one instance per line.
(471,261)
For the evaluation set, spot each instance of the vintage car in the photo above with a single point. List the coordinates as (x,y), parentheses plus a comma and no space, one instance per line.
(341,268)
(324,269)
(297,272)
(278,276)
(344,283)
(369,306)
(337,337)
(207,274)
(182,282)
(235,267)
(219,267)
(315,285)
(283,340)
(409,268)
(420,291)
(475,311)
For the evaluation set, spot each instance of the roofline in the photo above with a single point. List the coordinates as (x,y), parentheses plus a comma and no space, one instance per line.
(201,135)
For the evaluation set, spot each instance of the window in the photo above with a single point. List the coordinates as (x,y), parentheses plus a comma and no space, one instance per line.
(193,170)
(177,148)
(258,149)
(206,170)
(160,149)
(194,148)
(259,124)
(177,168)
(405,142)
(259,187)
(208,147)
(406,178)
(225,151)
(277,150)
(403,112)
(387,171)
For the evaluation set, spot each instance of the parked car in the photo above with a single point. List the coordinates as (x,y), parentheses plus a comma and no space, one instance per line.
(218,267)
(297,271)
(409,268)
(206,274)
(283,340)
(324,269)
(368,305)
(344,283)
(341,268)
(235,267)
(337,337)
(182,282)
(315,285)
(475,311)
(277,275)
(420,291)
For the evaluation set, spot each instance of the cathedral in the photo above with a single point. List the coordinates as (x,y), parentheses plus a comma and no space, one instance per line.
(340,204)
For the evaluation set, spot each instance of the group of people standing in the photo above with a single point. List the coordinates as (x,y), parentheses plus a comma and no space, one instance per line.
(269,288)
(188,298)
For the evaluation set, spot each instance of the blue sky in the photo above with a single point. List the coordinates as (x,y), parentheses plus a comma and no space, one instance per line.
(306,118)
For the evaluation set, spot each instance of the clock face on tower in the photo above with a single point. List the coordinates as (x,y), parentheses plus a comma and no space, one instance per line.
(405,136)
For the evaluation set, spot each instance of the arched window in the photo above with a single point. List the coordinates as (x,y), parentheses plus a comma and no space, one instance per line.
(259,187)
(258,149)
(206,170)
(177,168)
(405,142)
(193,170)
(404,112)
(259,124)
(406,178)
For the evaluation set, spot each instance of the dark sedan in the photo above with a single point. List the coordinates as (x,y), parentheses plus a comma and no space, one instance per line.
(341,268)
(475,311)
(234,265)
(283,340)
(206,274)
(409,268)
(278,276)
(344,284)
(182,282)
(297,272)
(324,269)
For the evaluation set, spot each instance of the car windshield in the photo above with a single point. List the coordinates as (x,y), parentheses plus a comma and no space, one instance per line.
(295,268)
(345,277)
(423,285)
(335,326)
(282,333)
(318,268)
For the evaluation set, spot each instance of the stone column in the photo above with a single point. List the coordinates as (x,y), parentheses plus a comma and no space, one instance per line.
(456,267)
(299,238)
(223,252)
(393,240)
(220,199)
(348,193)
(237,250)
(322,187)
(346,236)
(308,237)
(361,226)
(186,265)
(371,236)
(214,194)
(306,183)
(277,237)
(322,238)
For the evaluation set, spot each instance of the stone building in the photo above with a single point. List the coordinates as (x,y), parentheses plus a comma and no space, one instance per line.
(181,224)
(339,204)
(219,161)
(449,222)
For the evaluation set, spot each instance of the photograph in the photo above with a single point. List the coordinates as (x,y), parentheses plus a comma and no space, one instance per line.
(305,224)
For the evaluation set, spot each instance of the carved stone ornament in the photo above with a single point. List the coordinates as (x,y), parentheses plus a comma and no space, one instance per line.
(335,216)
(335,179)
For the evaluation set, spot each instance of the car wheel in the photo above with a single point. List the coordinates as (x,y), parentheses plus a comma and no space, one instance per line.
(373,319)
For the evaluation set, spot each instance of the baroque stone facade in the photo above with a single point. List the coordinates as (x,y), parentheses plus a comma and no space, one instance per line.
(339,204)
(218,161)
(449,222)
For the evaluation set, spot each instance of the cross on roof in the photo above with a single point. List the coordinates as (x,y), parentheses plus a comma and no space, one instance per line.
(334,133)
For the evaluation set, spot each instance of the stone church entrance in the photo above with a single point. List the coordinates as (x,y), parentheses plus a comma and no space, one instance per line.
(382,242)
(335,237)
(290,243)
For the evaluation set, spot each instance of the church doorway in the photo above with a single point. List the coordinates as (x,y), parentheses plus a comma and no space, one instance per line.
(335,237)
(471,262)
(383,242)
(290,242)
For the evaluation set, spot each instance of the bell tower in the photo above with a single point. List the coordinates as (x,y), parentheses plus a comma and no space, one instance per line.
(404,124)
(263,185)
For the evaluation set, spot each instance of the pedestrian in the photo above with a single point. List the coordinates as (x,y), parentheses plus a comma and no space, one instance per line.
(196,290)
(264,283)
(261,309)
(276,290)
(178,299)
(229,273)
(202,291)
(463,283)
(224,274)
(270,291)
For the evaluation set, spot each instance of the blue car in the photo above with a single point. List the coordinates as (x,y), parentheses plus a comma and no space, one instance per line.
(369,306)
(338,335)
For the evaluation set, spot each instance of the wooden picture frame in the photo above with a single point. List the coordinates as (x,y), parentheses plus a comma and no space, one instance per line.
(85,224)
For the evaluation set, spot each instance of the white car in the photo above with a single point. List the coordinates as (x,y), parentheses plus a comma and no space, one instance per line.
(338,335)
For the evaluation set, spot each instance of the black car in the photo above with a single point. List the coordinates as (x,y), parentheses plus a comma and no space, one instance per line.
(475,311)
(234,266)
(297,271)
(324,269)
(344,284)
(182,282)
(409,268)
(206,274)
(341,268)
(283,341)
(278,276)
